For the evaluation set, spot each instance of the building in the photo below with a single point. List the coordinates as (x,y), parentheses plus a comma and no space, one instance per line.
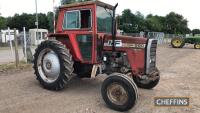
(37,35)
(4,36)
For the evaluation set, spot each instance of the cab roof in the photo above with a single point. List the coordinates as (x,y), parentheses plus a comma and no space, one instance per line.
(97,2)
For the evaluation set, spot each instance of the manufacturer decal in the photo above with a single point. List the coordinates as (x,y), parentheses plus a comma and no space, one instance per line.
(138,46)
(118,43)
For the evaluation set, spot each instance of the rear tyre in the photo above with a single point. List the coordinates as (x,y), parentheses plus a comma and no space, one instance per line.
(197,46)
(177,42)
(53,65)
(119,92)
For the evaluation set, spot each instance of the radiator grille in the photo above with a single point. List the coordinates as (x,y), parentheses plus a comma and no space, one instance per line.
(151,56)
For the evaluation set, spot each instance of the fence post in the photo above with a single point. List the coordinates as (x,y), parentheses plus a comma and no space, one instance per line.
(16,49)
(25,55)
(11,47)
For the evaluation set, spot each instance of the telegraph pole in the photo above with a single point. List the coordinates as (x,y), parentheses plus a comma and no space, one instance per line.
(36,23)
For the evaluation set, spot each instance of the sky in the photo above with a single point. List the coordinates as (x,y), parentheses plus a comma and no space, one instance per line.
(188,8)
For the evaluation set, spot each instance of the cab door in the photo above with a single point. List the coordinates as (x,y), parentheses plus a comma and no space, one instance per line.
(85,42)
(79,23)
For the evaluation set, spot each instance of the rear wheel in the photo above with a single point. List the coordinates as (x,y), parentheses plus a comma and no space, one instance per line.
(197,46)
(119,92)
(53,65)
(177,42)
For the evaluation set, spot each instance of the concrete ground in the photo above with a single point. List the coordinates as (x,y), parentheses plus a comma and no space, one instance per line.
(6,55)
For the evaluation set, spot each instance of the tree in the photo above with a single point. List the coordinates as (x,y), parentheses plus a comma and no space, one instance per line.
(50,21)
(155,23)
(20,21)
(195,31)
(28,21)
(171,23)
(43,21)
(139,20)
(176,24)
(131,23)
(126,21)
(3,23)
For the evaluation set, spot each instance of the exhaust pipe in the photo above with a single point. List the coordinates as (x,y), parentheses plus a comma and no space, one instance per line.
(114,28)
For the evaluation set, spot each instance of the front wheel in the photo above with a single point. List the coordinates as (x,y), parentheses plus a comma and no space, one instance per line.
(119,92)
(53,65)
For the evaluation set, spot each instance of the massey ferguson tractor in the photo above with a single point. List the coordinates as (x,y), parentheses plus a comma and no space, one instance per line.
(86,45)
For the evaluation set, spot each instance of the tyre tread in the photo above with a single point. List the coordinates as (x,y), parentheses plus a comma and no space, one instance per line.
(65,58)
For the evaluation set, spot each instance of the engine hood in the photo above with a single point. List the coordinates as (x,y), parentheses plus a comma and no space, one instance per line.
(128,39)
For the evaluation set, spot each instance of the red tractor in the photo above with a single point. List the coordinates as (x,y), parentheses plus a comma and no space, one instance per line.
(85,44)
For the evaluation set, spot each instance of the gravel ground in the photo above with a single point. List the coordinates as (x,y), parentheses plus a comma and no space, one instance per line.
(21,93)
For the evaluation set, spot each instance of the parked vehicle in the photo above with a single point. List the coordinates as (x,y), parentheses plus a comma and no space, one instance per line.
(85,43)
(179,42)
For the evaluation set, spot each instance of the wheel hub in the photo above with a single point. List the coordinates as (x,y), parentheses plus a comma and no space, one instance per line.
(197,46)
(48,65)
(117,94)
(177,43)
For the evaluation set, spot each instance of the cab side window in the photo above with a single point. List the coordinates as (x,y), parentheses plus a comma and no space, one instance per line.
(77,19)
(72,20)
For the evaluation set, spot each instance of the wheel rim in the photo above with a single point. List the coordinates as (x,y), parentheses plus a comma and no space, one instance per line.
(177,43)
(117,94)
(48,65)
(198,46)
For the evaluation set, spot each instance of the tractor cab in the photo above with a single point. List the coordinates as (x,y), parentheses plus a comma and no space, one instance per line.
(82,23)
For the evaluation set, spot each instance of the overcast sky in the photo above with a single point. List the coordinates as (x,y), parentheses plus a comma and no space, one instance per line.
(188,8)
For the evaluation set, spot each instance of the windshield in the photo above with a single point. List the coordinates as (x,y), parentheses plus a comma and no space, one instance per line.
(104,19)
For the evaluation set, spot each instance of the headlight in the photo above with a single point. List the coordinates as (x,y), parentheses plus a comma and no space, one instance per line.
(153,59)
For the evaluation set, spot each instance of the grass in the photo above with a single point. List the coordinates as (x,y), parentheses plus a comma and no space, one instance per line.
(12,66)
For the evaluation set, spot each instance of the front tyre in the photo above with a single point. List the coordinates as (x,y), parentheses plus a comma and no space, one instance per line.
(53,65)
(119,92)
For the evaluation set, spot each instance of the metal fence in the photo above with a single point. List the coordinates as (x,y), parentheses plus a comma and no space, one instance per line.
(20,38)
(162,38)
